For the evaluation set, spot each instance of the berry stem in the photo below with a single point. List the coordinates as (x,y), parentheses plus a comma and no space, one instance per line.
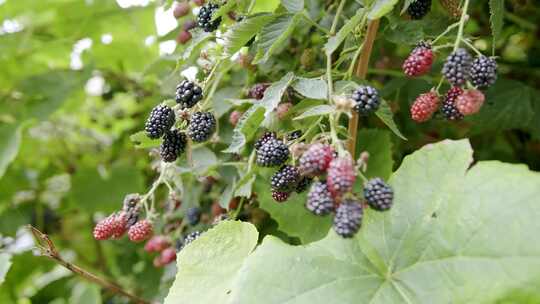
(448,29)
(315,24)
(361,71)
(239,208)
(336,18)
(464,16)
(471,46)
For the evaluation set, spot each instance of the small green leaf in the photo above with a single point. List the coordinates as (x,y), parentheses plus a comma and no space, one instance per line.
(274,93)
(223,10)
(496,10)
(335,41)
(380,8)
(274,34)
(240,33)
(245,128)
(314,88)
(203,159)
(317,111)
(10,140)
(199,37)
(245,185)
(293,6)
(142,141)
(385,114)
(207,267)
(5,264)
(227,195)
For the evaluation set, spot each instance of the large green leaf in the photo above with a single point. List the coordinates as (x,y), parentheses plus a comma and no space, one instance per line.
(274,34)
(455,235)
(208,266)
(10,140)
(314,88)
(240,33)
(293,6)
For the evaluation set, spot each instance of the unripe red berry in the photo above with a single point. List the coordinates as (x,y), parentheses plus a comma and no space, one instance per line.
(217,210)
(168,255)
(158,262)
(424,106)
(181,9)
(156,244)
(105,228)
(283,109)
(235,117)
(470,102)
(419,61)
(120,223)
(316,159)
(141,231)
(199,2)
(341,176)
(183,37)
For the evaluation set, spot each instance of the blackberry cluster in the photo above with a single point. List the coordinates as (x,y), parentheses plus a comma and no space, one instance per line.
(483,72)
(457,67)
(201,126)
(366,100)
(257,91)
(449,109)
(204,19)
(188,94)
(161,119)
(273,152)
(419,8)
(303,184)
(285,179)
(193,215)
(348,218)
(173,145)
(378,194)
(280,196)
(316,159)
(264,138)
(319,200)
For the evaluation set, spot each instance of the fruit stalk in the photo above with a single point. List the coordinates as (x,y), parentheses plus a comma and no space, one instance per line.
(361,71)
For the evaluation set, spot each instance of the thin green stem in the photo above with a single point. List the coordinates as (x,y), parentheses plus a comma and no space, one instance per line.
(315,24)
(336,18)
(451,27)
(239,209)
(461,24)
(471,46)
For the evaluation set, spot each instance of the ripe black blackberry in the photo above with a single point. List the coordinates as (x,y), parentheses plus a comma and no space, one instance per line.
(319,200)
(264,138)
(272,153)
(257,91)
(378,194)
(173,145)
(483,72)
(348,218)
(192,236)
(285,179)
(303,184)
(161,119)
(188,94)
(457,67)
(449,108)
(419,8)
(193,215)
(201,126)
(280,196)
(366,100)
(204,19)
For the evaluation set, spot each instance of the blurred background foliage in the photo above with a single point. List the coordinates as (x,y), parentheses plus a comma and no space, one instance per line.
(78,78)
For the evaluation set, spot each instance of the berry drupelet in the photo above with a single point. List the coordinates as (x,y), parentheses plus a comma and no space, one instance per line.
(319,200)
(378,194)
(188,94)
(201,126)
(161,119)
(204,19)
(366,100)
(348,218)
(173,145)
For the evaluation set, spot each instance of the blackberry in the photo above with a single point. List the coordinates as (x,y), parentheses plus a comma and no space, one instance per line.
(285,179)
(272,153)
(457,67)
(141,231)
(419,61)
(191,237)
(188,94)
(280,196)
(296,134)
(173,145)
(201,126)
(419,8)
(470,102)
(168,255)
(161,119)
(483,72)
(264,138)
(378,194)
(257,91)
(348,218)
(366,100)
(319,200)
(204,19)
(303,184)
(105,228)
(424,106)
(341,176)
(316,159)
(449,109)
(193,215)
